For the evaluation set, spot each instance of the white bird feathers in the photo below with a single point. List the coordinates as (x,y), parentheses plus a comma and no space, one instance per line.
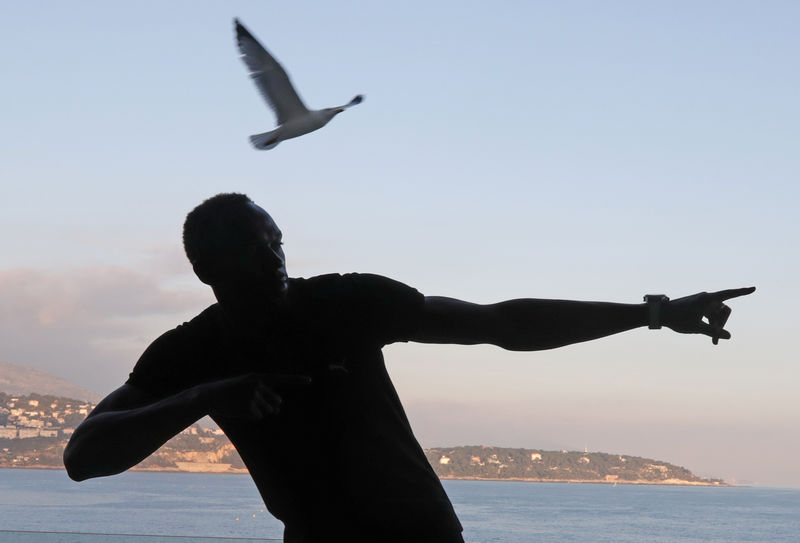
(294,118)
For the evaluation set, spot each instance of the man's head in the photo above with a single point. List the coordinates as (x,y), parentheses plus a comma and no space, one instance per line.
(233,243)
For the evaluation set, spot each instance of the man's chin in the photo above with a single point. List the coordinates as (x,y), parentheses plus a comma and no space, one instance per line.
(278,294)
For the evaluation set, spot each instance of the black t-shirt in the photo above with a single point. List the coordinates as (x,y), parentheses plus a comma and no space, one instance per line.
(339,462)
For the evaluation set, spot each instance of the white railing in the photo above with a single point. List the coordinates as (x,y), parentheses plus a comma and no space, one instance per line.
(12,536)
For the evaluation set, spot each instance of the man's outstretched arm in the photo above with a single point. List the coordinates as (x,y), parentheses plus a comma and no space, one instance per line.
(129,425)
(533,324)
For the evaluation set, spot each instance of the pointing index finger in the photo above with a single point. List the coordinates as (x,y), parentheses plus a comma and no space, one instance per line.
(270,380)
(733,293)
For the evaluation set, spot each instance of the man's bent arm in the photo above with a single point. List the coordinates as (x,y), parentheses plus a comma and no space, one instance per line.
(125,428)
(128,425)
(525,324)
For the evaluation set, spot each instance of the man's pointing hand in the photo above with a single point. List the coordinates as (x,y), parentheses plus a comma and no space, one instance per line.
(251,396)
(686,315)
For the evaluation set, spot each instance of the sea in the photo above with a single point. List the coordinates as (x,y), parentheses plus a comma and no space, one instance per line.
(45,506)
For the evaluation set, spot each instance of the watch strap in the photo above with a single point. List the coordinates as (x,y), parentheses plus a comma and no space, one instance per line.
(654,302)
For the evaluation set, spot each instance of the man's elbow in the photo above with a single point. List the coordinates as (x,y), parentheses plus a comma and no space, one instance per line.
(80,462)
(76,474)
(75,466)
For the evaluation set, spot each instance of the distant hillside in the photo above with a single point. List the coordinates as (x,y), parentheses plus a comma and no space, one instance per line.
(478,462)
(35,427)
(15,379)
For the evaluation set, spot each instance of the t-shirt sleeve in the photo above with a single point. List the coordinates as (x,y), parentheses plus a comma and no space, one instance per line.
(177,360)
(391,309)
(374,309)
(152,371)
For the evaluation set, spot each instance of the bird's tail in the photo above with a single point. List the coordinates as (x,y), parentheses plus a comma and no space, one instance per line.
(356,100)
(266,140)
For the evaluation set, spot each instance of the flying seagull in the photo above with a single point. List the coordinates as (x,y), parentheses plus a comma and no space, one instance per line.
(294,118)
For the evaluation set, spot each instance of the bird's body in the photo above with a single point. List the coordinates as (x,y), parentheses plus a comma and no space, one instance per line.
(294,118)
(292,128)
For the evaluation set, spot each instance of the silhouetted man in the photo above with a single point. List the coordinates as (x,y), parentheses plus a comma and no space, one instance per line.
(292,371)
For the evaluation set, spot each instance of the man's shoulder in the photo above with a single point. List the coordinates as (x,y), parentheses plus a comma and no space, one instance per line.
(360,307)
(210,317)
(164,363)
(205,325)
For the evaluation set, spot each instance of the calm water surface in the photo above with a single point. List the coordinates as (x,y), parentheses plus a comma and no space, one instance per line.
(229,506)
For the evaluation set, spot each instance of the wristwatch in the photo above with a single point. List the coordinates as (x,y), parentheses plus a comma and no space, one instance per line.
(654,302)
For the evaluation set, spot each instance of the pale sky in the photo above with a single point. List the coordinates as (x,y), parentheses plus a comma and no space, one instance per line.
(576,150)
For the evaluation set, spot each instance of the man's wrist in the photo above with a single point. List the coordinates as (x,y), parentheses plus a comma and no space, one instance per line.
(655,309)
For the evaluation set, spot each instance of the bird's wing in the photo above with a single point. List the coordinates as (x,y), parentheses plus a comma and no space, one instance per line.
(270,77)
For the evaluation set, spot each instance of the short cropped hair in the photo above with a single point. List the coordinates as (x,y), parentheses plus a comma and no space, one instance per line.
(215,228)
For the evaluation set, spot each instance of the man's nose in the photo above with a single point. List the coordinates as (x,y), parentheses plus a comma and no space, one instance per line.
(275,257)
